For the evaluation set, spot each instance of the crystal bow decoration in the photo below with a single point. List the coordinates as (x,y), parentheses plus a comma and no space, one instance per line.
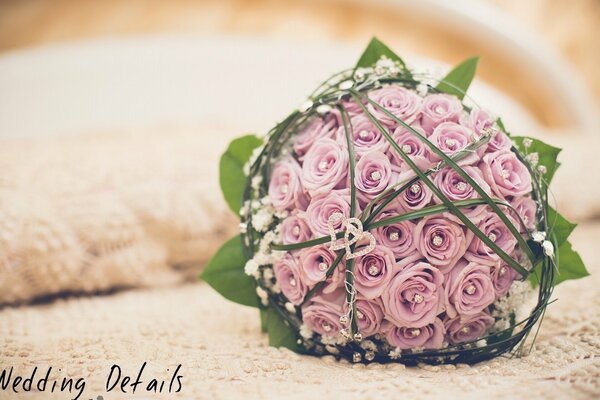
(353,233)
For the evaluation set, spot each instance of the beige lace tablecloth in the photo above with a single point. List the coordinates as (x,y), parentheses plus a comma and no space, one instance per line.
(224,355)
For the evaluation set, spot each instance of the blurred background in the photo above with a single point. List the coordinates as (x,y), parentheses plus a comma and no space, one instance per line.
(509,35)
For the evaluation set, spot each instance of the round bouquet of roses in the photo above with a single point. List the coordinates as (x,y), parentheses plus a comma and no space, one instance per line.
(391,219)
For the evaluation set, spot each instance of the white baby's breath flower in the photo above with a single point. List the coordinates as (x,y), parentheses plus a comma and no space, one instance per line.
(538,236)
(548,248)
(305,331)
(262,219)
(395,354)
(256,181)
(251,268)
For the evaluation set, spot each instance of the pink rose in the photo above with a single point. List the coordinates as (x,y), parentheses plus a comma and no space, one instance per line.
(373,173)
(314,263)
(285,187)
(366,137)
(430,336)
(462,329)
(315,129)
(288,278)
(409,143)
(438,108)
(295,229)
(493,227)
(352,107)
(325,167)
(451,138)
(397,237)
(441,241)
(403,103)
(415,197)
(527,210)
(500,142)
(477,120)
(502,277)
(455,188)
(369,316)
(469,289)
(506,175)
(414,295)
(322,313)
(324,206)
(373,271)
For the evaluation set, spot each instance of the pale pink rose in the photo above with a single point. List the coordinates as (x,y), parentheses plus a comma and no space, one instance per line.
(500,142)
(285,187)
(373,271)
(405,104)
(430,336)
(414,296)
(288,278)
(456,188)
(352,107)
(366,137)
(325,167)
(404,171)
(373,173)
(409,143)
(441,241)
(369,316)
(502,277)
(398,237)
(314,263)
(322,313)
(295,229)
(415,197)
(493,227)
(506,175)
(451,138)
(526,208)
(462,329)
(316,129)
(469,289)
(438,108)
(477,120)
(322,207)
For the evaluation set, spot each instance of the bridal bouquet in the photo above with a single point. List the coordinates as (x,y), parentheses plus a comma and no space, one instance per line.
(391,218)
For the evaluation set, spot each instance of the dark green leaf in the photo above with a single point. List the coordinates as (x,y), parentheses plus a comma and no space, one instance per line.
(559,226)
(263,320)
(225,273)
(570,264)
(373,53)
(231,169)
(280,333)
(459,79)
(547,154)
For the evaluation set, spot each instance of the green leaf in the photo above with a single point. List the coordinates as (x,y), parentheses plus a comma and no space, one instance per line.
(559,226)
(225,273)
(231,169)
(547,154)
(263,320)
(280,333)
(570,264)
(459,79)
(373,53)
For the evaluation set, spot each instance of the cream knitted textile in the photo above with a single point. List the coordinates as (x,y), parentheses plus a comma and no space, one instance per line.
(93,213)
(224,355)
